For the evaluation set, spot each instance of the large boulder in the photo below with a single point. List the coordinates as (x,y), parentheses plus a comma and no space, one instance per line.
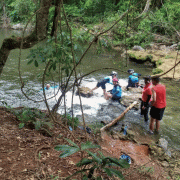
(127,100)
(133,94)
(84,92)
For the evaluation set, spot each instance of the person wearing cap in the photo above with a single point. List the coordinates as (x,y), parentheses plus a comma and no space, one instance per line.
(47,86)
(103,82)
(158,104)
(146,97)
(116,92)
(133,80)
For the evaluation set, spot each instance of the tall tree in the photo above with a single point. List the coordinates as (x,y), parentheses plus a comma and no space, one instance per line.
(39,33)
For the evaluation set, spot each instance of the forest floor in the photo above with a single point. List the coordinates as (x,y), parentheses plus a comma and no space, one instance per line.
(28,154)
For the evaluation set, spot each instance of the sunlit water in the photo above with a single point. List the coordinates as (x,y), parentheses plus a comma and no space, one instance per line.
(95,108)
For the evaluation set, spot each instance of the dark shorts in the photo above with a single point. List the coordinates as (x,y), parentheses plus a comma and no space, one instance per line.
(102,84)
(156,113)
(115,98)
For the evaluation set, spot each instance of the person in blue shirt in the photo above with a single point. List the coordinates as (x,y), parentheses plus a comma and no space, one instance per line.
(103,82)
(133,80)
(116,92)
(48,87)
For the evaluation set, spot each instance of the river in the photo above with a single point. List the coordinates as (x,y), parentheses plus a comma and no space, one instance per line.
(95,108)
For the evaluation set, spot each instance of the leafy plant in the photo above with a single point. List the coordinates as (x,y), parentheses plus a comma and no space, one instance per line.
(157,71)
(96,127)
(93,161)
(71,121)
(159,62)
(33,117)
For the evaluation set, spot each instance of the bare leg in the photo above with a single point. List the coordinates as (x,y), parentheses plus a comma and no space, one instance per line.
(104,91)
(157,125)
(107,95)
(151,125)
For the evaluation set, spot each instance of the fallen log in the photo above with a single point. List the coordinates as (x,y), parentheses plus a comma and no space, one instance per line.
(119,117)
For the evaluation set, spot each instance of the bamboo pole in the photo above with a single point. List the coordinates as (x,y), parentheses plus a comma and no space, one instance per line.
(119,117)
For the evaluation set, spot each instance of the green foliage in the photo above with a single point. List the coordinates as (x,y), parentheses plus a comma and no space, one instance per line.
(96,126)
(33,117)
(159,62)
(57,53)
(21,10)
(71,121)
(157,71)
(94,161)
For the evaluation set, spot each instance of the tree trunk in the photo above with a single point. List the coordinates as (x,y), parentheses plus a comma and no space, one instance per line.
(36,36)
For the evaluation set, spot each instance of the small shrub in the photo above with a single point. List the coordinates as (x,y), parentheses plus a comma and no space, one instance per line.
(157,71)
(96,127)
(93,161)
(32,117)
(71,121)
(159,62)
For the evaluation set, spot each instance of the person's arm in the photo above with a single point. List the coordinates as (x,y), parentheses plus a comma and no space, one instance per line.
(147,101)
(153,97)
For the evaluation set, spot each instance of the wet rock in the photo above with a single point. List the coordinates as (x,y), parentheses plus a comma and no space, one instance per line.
(163,143)
(127,100)
(84,92)
(135,90)
(131,134)
(165,164)
(138,48)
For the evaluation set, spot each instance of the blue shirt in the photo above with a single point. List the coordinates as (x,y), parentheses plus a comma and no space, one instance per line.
(109,79)
(132,81)
(117,91)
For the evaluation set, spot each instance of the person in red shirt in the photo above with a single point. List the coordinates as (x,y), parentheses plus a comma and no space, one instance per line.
(158,104)
(146,97)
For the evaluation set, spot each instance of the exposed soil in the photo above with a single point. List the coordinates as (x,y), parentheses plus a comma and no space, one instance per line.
(27,154)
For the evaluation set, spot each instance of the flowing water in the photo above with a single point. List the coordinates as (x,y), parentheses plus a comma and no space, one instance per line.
(96,108)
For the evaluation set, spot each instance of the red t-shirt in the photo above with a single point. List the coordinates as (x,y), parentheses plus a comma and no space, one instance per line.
(146,92)
(160,96)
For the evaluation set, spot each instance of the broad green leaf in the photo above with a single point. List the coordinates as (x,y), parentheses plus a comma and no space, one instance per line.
(62,148)
(72,143)
(84,162)
(107,171)
(116,173)
(122,163)
(21,125)
(96,158)
(29,62)
(101,154)
(89,145)
(69,152)
(36,63)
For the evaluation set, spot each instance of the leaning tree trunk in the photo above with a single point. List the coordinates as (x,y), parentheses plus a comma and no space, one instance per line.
(39,33)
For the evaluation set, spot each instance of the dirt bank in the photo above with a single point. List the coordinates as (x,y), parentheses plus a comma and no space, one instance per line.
(27,154)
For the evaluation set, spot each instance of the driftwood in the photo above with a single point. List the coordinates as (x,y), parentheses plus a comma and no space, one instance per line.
(118,118)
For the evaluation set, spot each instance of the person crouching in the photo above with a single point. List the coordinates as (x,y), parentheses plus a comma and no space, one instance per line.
(116,92)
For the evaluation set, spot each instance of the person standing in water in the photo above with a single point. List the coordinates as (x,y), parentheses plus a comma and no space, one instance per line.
(158,104)
(133,80)
(146,97)
(116,92)
(103,82)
